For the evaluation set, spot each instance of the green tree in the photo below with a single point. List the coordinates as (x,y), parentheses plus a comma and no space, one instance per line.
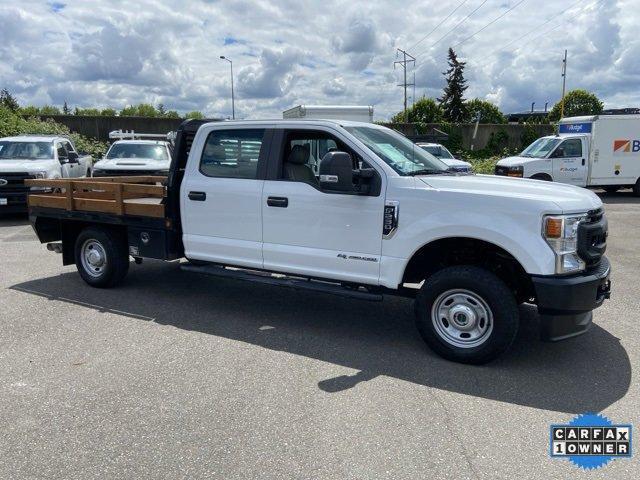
(108,112)
(452,101)
(425,110)
(194,115)
(49,110)
(140,110)
(7,100)
(489,113)
(65,108)
(30,110)
(577,102)
(171,114)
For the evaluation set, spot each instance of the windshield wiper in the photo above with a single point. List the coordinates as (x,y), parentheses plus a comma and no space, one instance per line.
(429,171)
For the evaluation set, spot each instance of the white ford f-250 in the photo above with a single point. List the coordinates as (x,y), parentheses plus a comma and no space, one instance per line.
(382,216)
(36,156)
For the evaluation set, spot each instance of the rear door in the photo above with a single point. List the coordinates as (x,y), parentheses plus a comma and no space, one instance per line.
(570,162)
(312,232)
(221,196)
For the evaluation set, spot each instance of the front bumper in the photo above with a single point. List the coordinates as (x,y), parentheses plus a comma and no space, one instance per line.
(16,202)
(565,304)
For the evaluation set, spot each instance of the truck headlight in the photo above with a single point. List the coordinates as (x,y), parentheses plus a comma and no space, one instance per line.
(515,171)
(561,233)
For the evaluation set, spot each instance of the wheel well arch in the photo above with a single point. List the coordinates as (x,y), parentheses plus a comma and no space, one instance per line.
(450,251)
(542,176)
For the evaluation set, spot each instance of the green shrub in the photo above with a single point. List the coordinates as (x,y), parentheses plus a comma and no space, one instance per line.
(13,124)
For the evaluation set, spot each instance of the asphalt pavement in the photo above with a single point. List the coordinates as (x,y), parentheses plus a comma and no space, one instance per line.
(175,375)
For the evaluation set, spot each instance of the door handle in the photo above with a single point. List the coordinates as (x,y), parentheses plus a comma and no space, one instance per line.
(282,202)
(583,161)
(197,196)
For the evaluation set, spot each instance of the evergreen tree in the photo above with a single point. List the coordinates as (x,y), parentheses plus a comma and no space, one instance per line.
(7,100)
(452,102)
(65,108)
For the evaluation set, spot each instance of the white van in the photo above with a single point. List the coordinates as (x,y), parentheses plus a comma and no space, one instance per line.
(592,151)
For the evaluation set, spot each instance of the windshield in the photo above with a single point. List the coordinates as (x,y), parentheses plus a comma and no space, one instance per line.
(541,147)
(26,150)
(400,153)
(437,151)
(137,150)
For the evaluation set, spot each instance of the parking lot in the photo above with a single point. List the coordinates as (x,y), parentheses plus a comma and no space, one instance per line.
(174,375)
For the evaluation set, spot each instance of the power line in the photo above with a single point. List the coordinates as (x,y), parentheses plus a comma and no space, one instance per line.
(488,24)
(454,27)
(436,27)
(537,28)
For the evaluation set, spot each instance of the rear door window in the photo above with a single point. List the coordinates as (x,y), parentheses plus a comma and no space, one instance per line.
(232,153)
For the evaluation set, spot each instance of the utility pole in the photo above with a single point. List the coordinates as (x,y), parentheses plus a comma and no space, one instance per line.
(404,84)
(564,83)
(233,100)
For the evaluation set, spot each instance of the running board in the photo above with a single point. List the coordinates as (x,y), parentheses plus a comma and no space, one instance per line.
(282,281)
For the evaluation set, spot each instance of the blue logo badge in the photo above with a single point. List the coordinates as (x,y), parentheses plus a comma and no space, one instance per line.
(590,441)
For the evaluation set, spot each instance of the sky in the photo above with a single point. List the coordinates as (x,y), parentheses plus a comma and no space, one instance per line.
(331,52)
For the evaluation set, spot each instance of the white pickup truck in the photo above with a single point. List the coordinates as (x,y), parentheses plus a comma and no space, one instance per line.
(36,156)
(381,217)
(135,154)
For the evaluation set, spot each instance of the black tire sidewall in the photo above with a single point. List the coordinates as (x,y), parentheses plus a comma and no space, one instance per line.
(116,265)
(493,291)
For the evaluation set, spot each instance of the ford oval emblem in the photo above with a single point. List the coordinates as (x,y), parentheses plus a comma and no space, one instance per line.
(3,182)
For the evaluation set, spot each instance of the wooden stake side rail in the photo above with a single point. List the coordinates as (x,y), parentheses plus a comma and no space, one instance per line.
(135,195)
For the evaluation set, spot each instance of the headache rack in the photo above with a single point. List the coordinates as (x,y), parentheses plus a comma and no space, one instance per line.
(134,195)
(131,135)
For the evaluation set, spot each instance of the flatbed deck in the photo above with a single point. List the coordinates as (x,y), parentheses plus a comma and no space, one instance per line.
(141,196)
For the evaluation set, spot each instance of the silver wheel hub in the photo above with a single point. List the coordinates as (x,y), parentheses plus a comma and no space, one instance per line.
(462,318)
(93,258)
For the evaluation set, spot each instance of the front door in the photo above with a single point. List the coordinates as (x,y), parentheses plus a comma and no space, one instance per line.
(308,231)
(221,198)
(68,169)
(570,162)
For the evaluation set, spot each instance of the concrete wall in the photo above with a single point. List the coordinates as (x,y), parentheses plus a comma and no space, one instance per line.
(513,131)
(99,127)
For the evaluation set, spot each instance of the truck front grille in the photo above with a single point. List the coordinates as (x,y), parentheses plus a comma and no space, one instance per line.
(13,182)
(592,237)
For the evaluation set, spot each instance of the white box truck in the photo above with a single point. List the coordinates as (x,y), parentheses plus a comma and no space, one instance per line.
(592,151)
(354,113)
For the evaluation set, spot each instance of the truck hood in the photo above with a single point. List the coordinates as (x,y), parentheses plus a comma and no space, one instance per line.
(132,164)
(515,161)
(452,162)
(26,165)
(569,199)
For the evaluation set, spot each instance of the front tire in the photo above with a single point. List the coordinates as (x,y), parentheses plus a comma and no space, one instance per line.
(467,314)
(101,257)
(636,188)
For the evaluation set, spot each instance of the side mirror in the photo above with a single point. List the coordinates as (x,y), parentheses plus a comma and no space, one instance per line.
(336,172)
(72,157)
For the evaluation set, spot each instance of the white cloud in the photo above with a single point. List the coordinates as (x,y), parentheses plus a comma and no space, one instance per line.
(287,52)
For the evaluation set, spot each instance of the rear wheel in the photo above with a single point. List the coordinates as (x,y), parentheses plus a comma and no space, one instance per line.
(467,314)
(636,188)
(101,257)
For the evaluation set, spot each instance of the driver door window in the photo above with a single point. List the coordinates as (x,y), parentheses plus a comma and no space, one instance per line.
(62,152)
(571,148)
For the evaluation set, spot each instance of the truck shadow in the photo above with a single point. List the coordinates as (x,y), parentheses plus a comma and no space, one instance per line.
(618,198)
(13,219)
(588,373)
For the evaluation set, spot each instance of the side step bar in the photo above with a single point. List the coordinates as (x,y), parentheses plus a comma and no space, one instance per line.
(283,281)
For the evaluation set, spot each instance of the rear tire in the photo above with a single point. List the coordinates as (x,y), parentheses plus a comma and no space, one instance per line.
(636,188)
(467,314)
(101,257)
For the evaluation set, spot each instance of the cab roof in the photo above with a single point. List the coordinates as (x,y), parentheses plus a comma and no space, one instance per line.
(34,138)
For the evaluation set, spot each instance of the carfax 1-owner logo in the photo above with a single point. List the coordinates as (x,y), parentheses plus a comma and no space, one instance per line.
(590,441)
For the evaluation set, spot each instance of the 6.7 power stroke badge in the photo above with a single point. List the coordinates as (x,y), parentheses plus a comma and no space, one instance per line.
(590,441)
